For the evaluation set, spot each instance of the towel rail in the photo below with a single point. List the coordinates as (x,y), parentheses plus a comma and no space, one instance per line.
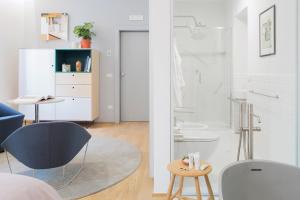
(265,95)
(237,100)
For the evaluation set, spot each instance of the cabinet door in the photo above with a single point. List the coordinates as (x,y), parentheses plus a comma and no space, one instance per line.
(37,78)
(74,109)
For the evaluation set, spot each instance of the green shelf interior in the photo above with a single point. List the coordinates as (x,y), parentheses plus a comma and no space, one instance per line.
(70,57)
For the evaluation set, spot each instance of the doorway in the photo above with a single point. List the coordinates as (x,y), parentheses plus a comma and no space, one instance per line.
(134,76)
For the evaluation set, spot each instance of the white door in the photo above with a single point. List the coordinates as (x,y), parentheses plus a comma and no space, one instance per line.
(134,76)
(37,77)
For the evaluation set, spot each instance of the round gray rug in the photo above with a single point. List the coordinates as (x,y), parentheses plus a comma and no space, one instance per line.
(108,161)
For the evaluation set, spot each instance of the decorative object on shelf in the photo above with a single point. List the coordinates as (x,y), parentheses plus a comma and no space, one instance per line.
(66,68)
(54,26)
(85,33)
(267,32)
(88,63)
(75,45)
(78,66)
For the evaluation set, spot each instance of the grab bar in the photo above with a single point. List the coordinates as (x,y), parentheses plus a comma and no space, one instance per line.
(237,100)
(265,95)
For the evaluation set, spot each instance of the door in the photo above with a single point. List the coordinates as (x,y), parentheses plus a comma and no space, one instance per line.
(37,77)
(134,76)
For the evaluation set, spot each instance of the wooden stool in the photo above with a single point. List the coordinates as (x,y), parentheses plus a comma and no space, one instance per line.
(177,168)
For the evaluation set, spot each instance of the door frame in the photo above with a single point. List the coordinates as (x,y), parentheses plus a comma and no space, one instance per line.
(117,103)
(298,87)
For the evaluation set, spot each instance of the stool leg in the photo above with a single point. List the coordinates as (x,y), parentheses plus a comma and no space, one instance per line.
(197,185)
(181,185)
(210,191)
(171,187)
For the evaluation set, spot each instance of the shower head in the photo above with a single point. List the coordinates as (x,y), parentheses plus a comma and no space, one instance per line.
(193,19)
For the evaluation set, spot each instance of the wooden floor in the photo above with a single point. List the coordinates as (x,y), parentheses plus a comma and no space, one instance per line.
(138,186)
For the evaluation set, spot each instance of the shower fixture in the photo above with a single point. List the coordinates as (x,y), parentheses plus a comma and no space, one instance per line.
(193,18)
(197,29)
(196,24)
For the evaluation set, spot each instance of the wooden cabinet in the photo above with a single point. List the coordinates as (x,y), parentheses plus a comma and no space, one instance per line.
(41,74)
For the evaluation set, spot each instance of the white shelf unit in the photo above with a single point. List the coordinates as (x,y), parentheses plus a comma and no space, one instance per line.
(40,74)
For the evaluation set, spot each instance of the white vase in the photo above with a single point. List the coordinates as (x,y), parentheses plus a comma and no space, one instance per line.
(75,45)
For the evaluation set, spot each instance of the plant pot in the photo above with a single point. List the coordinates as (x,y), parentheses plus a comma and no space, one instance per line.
(85,43)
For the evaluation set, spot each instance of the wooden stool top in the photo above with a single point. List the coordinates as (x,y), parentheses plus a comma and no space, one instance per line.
(177,168)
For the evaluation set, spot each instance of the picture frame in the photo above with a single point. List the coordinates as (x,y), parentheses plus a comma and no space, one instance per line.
(54,26)
(267,32)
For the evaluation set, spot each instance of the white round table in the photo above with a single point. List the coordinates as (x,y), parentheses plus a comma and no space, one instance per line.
(33,101)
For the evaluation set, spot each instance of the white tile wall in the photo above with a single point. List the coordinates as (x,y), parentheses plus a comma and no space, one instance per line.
(277,139)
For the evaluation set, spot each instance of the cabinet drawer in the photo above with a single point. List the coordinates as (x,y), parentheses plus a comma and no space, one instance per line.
(74,109)
(73,90)
(73,78)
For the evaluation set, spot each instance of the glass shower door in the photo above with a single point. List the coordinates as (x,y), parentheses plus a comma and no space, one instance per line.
(202,88)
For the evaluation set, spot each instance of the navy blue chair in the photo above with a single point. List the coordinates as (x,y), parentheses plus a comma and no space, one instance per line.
(10,120)
(46,145)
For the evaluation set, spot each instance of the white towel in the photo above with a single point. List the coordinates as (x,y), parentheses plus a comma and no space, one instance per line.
(178,80)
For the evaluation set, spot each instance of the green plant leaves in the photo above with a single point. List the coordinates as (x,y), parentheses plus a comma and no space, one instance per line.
(84,30)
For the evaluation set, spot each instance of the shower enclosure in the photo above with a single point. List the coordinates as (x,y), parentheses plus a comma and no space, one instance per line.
(202,77)
(204,59)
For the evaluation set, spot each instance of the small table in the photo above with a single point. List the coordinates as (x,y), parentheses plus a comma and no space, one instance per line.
(28,101)
(177,168)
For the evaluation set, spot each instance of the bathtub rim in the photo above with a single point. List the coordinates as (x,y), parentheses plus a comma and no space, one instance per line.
(236,163)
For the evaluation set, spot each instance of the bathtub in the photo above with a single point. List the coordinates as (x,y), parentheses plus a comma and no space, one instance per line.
(260,180)
(194,137)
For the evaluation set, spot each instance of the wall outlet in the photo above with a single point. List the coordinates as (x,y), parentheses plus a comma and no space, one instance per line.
(108,52)
(110,107)
(109,75)
(136,18)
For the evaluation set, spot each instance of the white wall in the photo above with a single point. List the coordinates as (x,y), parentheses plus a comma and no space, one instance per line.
(240,51)
(160,113)
(277,75)
(272,75)
(11,35)
(109,16)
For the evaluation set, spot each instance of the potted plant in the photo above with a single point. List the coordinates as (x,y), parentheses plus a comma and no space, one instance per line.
(85,33)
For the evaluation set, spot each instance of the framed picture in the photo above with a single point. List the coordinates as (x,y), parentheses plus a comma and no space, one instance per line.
(267,32)
(54,26)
